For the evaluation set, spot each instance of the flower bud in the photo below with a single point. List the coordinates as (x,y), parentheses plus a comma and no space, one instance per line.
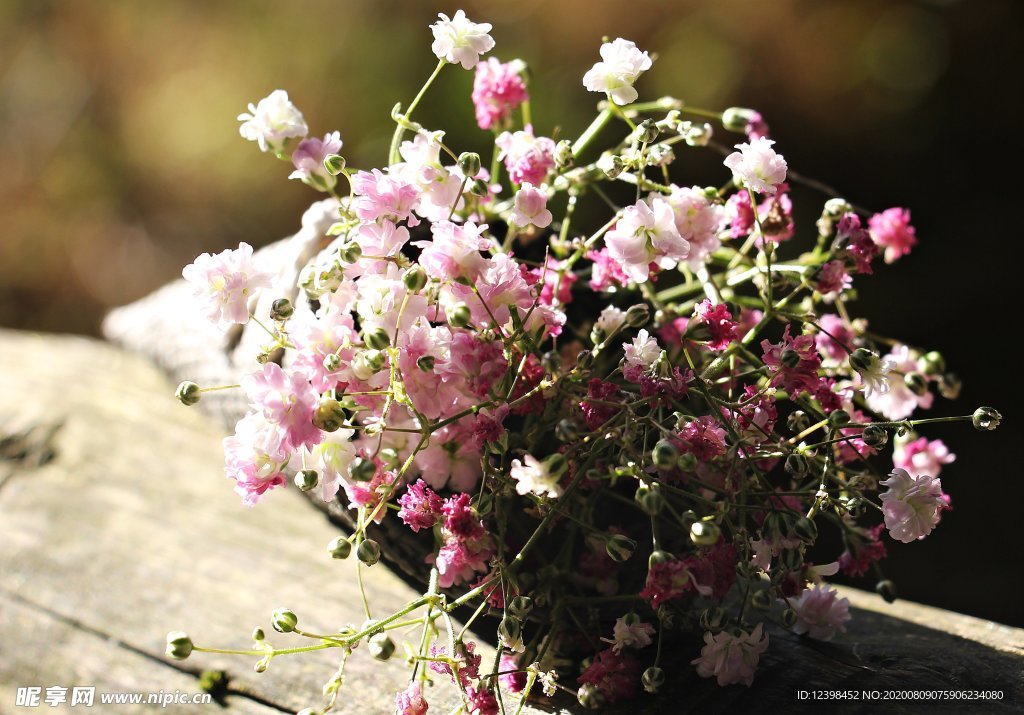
(986,419)
(415,279)
(805,529)
(459,316)
(761,600)
(563,154)
(350,252)
(388,456)
(340,548)
(638,315)
(791,559)
(551,361)
(332,363)
(737,119)
(334,164)
(647,131)
(258,634)
(665,454)
(886,589)
(916,383)
(950,385)
(374,359)
(426,363)
(469,164)
(585,360)
(619,548)
(479,188)
(377,339)
(839,418)
(932,363)
(329,415)
(789,618)
(306,479)
(713,618)
(368,552)
(798,421)
(687,461)
(179,645)
(510,634)
(790,358)
(591,697)
(650,498)
(705,533)
(362,469)
(567,430)
(381,646)
(687,518)
(611,165)
(556,465)
(188,393)
(659,557)
(520,607)
(284,620)
(696,134)
(653,678)
(875,436)
(281,309)
(863,360)
(796,464)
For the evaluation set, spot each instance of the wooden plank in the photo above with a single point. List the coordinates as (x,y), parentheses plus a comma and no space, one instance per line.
(132,531)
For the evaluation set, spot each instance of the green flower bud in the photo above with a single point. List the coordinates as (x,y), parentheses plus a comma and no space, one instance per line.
(705,533)
(916,383)
(611,165)
(332,363)
(551,361)
(563,154)
(796,464)
(334,164)
(415,279)
(886,589)
(281,309)
(687,518)
(381,646)
(340,548)
(377,339)
(737,119)
(179,645)
(469,164)
(933,363)
(188,393)
(653,678)
(791,559)
(459,316)
(687,461)
(362,469)
(591,697)
(713,618)
(638,315)
(426,363)
(389,456)
(986,419)
(647,131)
(798,421)
(479,188)
(284,620)
(306,479)
(619,547)
(368,552)
(950,385)
(790,358)
(839,418)
(761,600)
(510,634)
(805,529)
(789,618)
(556,465)
(567,430)
(650,498)
(350,252)
(665,454)
(329,415)
(875,436)
(520,607)
(659,557)
(863,360)
(258,634)
(585,360)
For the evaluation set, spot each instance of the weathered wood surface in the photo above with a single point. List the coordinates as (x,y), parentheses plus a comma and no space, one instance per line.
(117,526)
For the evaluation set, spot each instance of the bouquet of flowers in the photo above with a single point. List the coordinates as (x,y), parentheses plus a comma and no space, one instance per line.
(619,429)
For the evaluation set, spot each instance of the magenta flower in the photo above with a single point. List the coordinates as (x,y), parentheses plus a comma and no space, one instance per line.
(410,701)
(498,88)
(309,157)
(891,229)
(527,158)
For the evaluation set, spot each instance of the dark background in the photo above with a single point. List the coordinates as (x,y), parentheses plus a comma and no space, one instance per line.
(120,160)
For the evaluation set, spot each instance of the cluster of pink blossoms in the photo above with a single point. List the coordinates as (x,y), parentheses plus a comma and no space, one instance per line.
(540,396)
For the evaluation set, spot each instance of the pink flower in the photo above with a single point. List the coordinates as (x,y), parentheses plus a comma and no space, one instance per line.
(911,505)
(646,234)
(317,338)
(481,701)
(702,437)
(514,682)
(616,675)
(668,580)
(698,221)
(498,89)
(287,401)
(833,337)
(411,701)
(833,279)
(223,284)
(421,506)
(450,460)
(467,547)
(922,457)
(900,401)
(859,245)
(454,251)
(527,158)
(383,197)
(819,613)
(621,64)
(477,363)
(467,662)
(630,633)
(606,273)
(793,363)
(369,494)
(459,40)
(596,413)
(530,207)
(253,458)
(641,355)
(731,658)
(757,166)
(309,157)
(862,552)
(331,458)
(554,281)
(892,230)
(722,327)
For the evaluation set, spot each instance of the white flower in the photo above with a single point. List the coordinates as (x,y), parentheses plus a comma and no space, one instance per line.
(874,372)
(610,320)
(459,40)
(534,476)
(643,352)
(900,401)
(698,221)
(272,121)
(646,234)
(911,506)
(630,632)
(757,166)
(819,613)
(531,207)
(224,283)
(622,62)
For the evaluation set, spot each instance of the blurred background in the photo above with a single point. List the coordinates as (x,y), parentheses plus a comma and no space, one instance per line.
(120,160)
